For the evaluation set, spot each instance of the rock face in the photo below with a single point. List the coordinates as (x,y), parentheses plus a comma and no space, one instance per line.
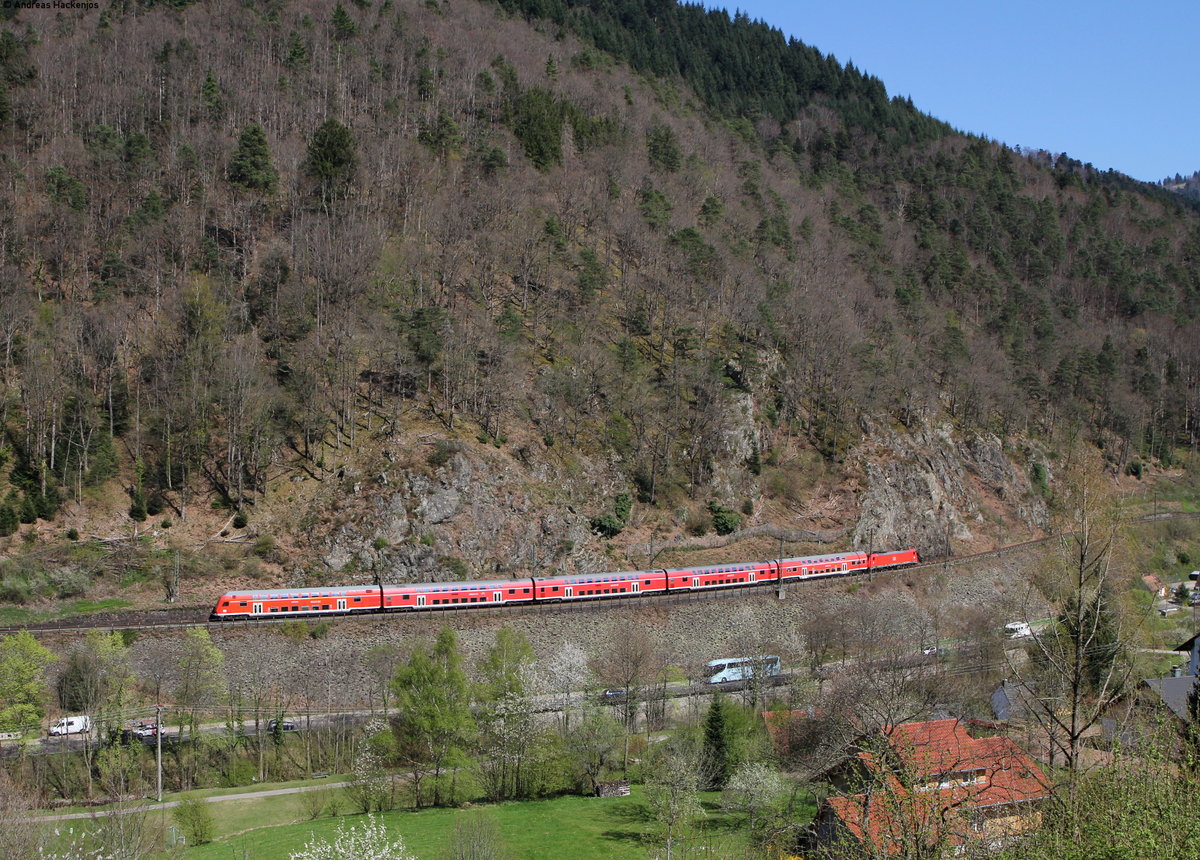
(927,489)
(473,516)
(480,513)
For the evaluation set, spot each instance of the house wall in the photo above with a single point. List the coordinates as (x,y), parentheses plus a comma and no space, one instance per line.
(1003,826)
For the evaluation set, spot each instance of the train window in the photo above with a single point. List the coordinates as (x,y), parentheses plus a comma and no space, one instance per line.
(555,588)
(274,609)
(243,603)
(359,599)
(525,591)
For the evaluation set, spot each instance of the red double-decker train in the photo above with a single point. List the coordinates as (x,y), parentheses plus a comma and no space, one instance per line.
(353,599)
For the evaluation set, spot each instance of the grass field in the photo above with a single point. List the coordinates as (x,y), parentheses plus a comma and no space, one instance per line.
(568,827)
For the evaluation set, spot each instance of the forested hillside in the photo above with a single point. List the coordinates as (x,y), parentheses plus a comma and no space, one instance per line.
(650,253)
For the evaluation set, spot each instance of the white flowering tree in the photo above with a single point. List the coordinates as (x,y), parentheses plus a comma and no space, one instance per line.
(367,840)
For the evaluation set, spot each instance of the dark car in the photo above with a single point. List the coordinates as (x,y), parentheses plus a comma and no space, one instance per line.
(281,725)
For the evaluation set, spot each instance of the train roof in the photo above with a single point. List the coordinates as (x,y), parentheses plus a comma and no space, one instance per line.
(602,576)
(460,585)
(269,593)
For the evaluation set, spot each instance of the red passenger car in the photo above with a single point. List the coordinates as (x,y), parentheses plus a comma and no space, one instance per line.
(720,576)
(628,583)
(833,564)
(443,595)
(300,601)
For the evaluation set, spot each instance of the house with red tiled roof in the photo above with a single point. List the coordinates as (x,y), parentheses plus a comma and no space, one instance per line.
(1155,586)
(931,784)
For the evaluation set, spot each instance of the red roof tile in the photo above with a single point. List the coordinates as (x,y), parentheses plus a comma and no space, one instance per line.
(949,775)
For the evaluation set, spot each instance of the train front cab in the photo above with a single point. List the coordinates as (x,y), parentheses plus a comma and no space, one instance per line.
(894,559)
(264,604)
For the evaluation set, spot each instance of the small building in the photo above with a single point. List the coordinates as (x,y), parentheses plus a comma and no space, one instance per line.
(932,784)
(1156,587)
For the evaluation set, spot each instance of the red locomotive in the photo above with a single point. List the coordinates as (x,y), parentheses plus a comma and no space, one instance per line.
(353,599)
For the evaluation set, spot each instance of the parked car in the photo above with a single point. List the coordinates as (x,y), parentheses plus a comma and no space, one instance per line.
(145,728)
(613,695)
(283,726)
(72,726)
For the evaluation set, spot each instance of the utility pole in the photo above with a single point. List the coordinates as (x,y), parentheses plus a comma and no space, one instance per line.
(158,727)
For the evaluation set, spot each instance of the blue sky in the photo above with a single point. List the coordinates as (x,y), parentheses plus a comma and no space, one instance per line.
(1111,83)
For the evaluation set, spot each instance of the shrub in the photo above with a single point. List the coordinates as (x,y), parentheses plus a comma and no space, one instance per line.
(296,630)
(240,519)
(195,821)
(607,525)
(724,520)
(441,454)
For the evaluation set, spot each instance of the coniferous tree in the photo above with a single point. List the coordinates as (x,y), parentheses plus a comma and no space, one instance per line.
(210,97)
(332,160)
(8,520)
(343,25)
(251,166)
(718,752)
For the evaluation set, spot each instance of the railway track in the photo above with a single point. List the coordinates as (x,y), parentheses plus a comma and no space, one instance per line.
(188,617)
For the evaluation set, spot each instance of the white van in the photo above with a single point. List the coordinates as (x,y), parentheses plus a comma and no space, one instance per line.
(72,726)
(1018,630)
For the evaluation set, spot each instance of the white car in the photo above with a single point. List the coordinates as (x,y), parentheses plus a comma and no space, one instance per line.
(72,726)
(1018,630)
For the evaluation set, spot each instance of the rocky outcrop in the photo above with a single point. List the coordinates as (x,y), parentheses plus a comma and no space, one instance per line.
(474,516)
(931,490)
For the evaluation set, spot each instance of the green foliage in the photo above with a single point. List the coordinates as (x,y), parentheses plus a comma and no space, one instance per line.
(537,117)
(503,668)
(441,134)
(16,68)
(332,159)
(655,208)
(441,454)
(592,276)
(251,167)
(662,148)
(538,123)
(1105,816)
(435,724)
(9,521)
(724,520)
(610,525)
(1096,625)
(195,821)
(718,744)
(703,260)
(711,211)
(64,188)
(211,98)
(297,51)
(22,685)
(343,25)
(492,160)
